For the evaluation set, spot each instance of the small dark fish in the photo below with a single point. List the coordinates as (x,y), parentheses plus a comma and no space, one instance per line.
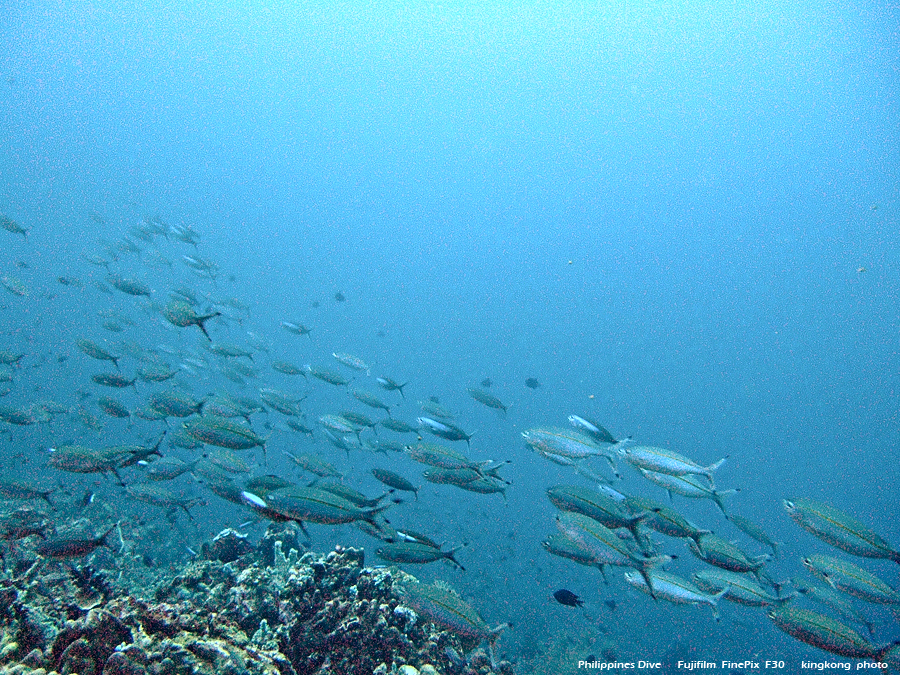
(486,382)
(567,598)
(611,604)
(339,297)
(532,383)
(72,548)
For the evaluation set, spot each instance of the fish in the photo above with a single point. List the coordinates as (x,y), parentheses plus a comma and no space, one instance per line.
(226,460)
(312,505)
(156,372)
(754,531)
(486,383)
(185,234)
(95,351)
(407,534)
(11,225)
(360,420)
(286,368)
(596,505)
(486,485)
(128,286)
(832,598)
(394,480)
(838,529)
(14,286)
(112,326)
(281,401)
(229,350)
(67,548)
(351,361)
(339,424)
(113,407)
(606,546)
(391,385)
(314,465)
(440,456)
(825,633)
(848,578)
(597,431)
(370,400)
(17,416)
(296,328)
(445,430)
(416,553)
(13,489)
(567,598)
(661,460)
(562,546)
(203,268)
(662,519)
(738,588)
(566,446)
(567,443)
(384,446)
(435,409)
(458,477)
(222,432)
(711,548)
(339,297)
(81,459)
(532,383)
(398,426)
(158,495)
(263,485)
(446,609)
(351,495)
(182,315)
(326,375)
(175,404)
(689,486)
(8,358)
(168,468)
(114,380)
(675,589)
(487,399)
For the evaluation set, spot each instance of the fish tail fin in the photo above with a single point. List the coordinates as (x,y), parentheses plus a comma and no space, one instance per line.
(102,538)
(46,497)
(715,465)
(720,502)
(155,450)
(647,580)
(452,558)
(790,596)
(721,594)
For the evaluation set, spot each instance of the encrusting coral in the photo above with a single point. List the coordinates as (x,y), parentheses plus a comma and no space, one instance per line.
(307,614)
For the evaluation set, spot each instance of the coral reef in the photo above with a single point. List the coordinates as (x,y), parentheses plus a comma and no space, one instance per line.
(308,614)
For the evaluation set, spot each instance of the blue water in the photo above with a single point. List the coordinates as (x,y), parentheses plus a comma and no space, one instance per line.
(681,218)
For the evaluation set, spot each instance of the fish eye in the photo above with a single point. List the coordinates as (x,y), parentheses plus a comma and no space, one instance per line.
(788,504)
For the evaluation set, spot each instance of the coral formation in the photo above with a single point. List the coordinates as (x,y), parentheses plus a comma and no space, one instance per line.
(299,615)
